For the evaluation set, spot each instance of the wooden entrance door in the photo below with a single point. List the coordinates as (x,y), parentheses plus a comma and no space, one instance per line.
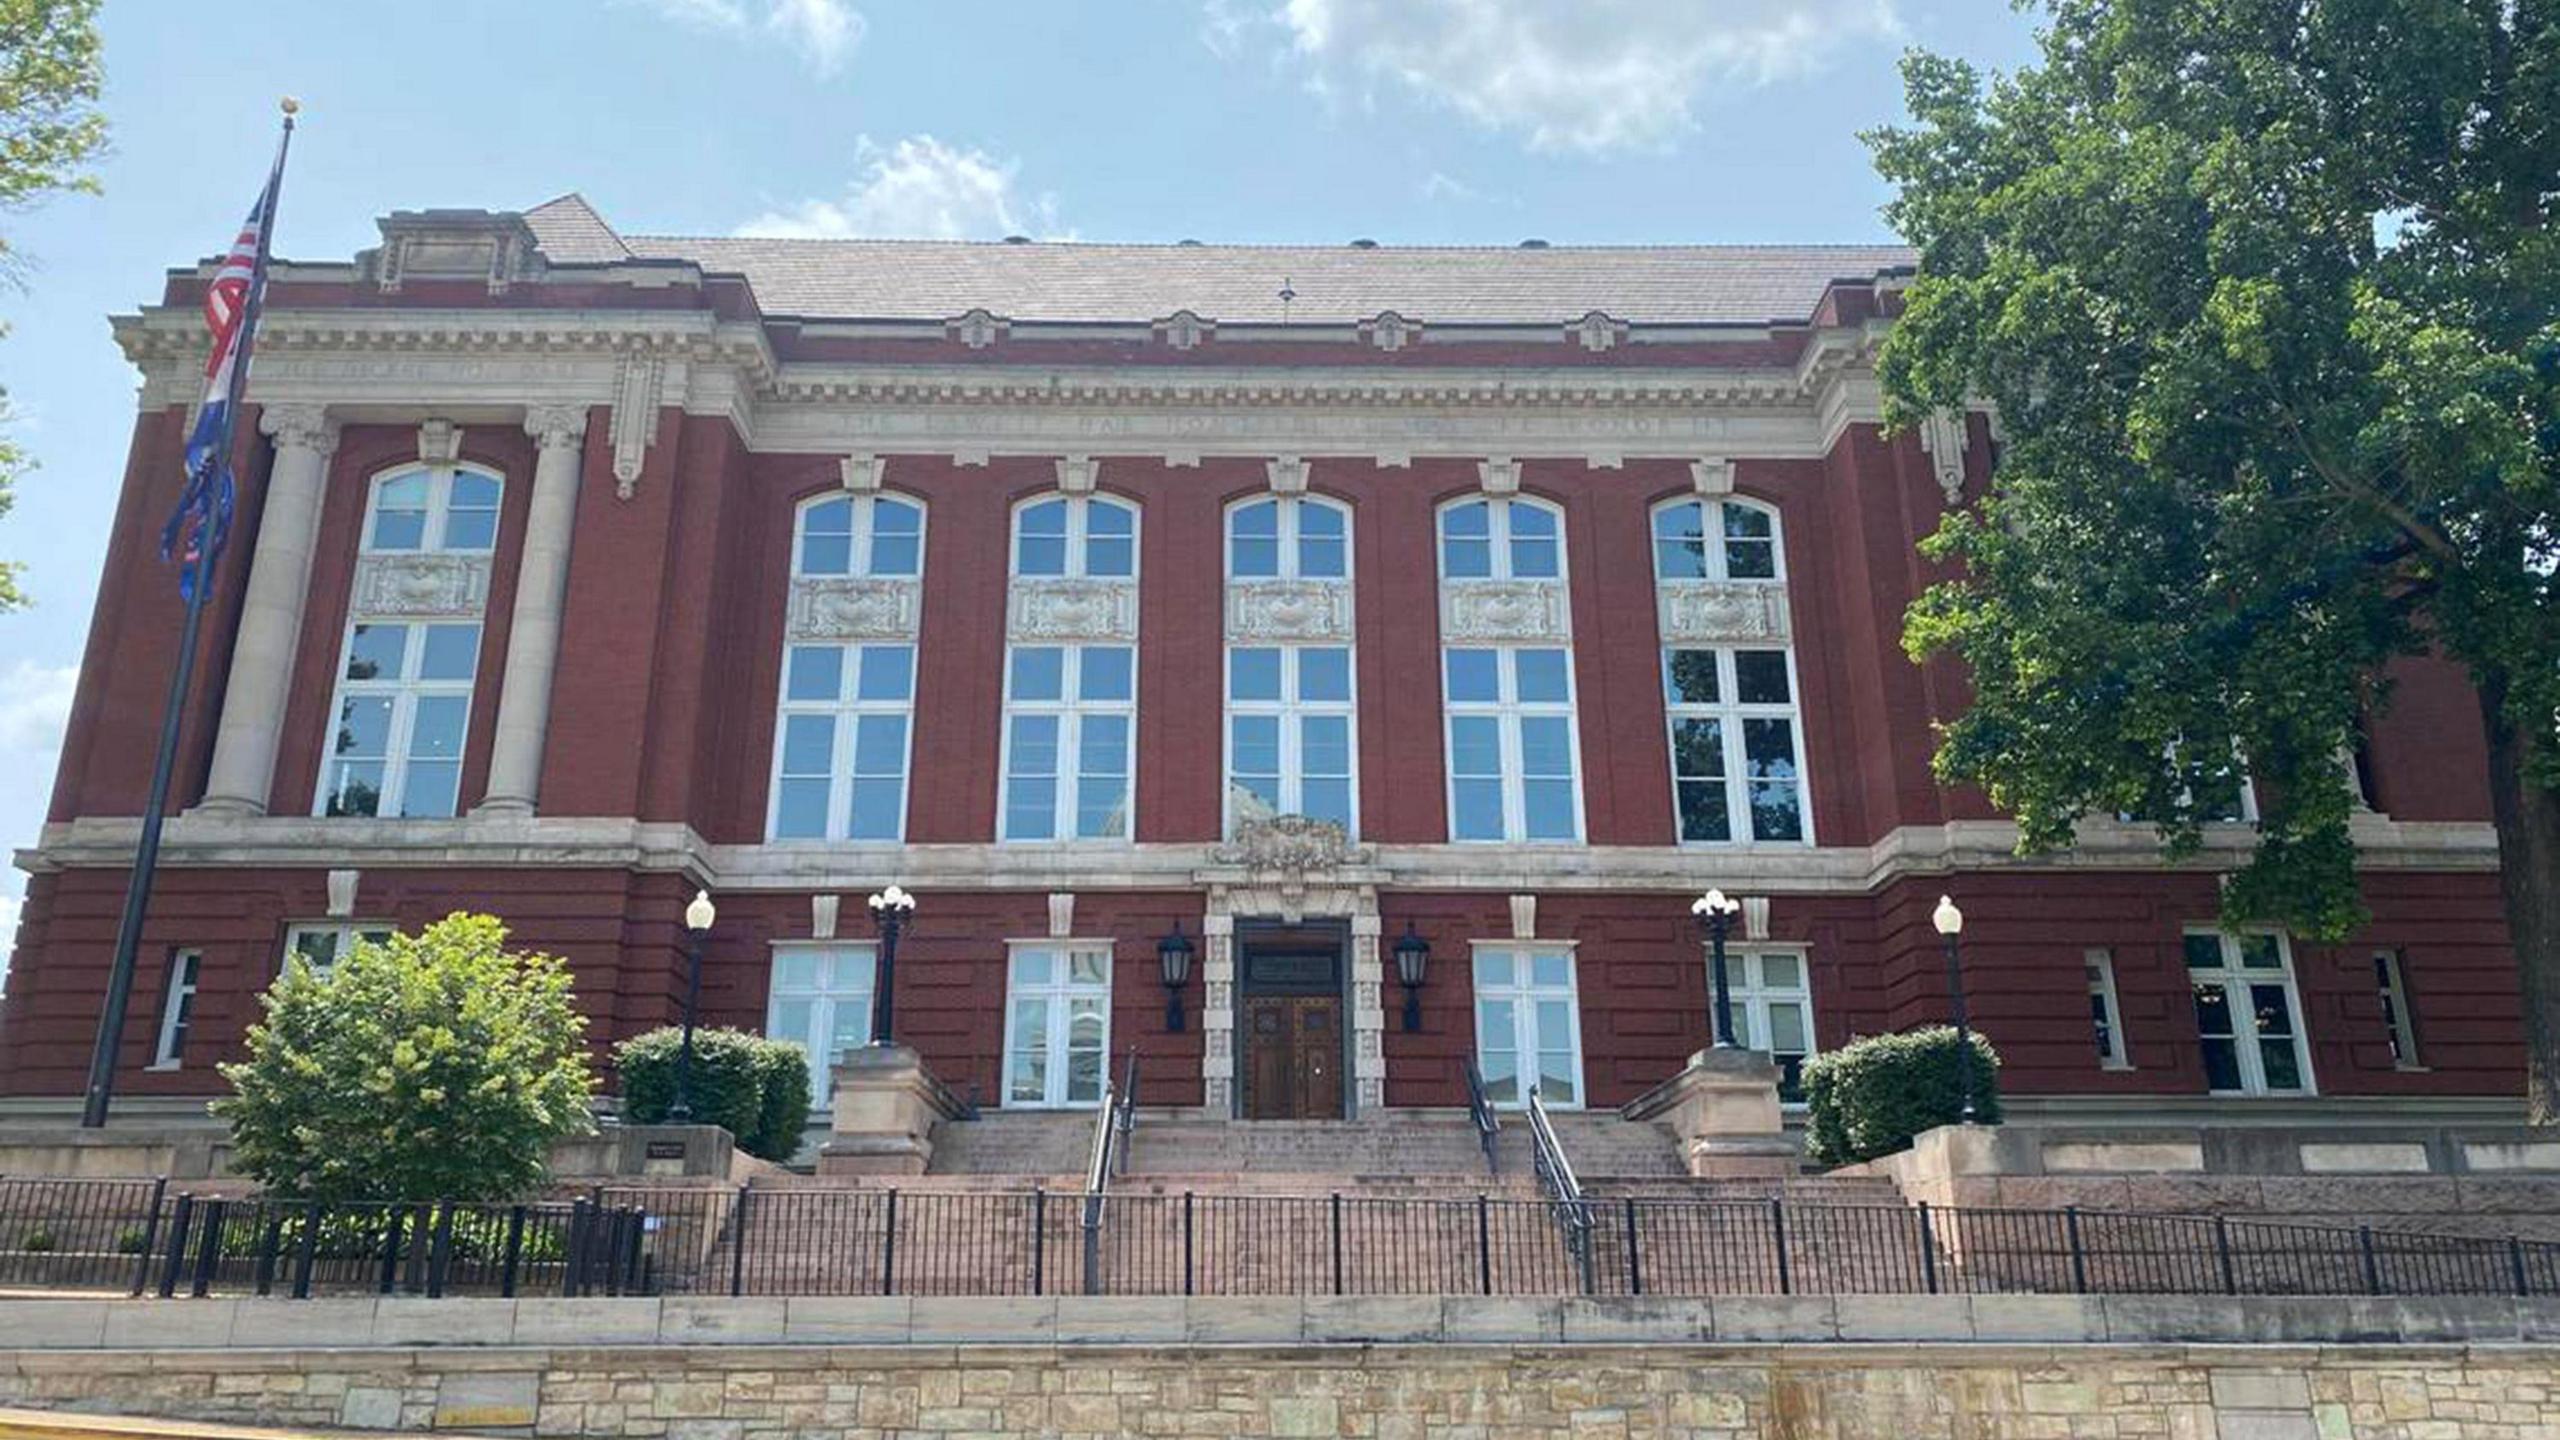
(1293,1057)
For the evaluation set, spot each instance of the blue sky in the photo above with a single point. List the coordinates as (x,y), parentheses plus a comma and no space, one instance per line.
(1315,121)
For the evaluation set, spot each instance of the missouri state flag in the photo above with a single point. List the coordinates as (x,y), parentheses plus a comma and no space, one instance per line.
(203,517)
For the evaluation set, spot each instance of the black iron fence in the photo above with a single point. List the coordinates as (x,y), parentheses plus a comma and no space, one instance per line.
(137,1237)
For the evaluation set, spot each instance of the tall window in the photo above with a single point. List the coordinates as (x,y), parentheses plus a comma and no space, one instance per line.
(820,1000)
(1070,732)
(1057,1031)
(1733,745)
(323,944)
(2106,1018)
(403,700)
(1511,744)
(1715,540)
(1507,539)
(2397,1019)
(841,744)
(1290,712)
(1076,535)
(177,1008)
(2247,1013)
(1773,1011)
(1528,1024)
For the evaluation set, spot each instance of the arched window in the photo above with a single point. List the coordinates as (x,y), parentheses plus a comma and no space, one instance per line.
(1291,717)
(841,740)
(1062,536)
(1715,540)
(1513,747)
(412,648)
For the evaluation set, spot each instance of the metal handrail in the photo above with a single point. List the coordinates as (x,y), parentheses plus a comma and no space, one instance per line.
(1480,1109)
(1564,1191)
(1126,1124)
(1112,1123)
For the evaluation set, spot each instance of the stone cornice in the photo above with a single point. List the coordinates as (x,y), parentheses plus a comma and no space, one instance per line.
(198,841)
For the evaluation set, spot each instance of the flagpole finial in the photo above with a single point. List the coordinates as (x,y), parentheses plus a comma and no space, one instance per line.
(289,105)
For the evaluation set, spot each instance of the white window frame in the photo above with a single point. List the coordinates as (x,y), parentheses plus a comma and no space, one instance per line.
(348,933)
(1747,987)
(1719,565)
(823,1003)
(177,1009)
(2099,968)
(1729,712)
(2391,979)
(848,712)
(1524,995)
(432,540)
(1072,713)
(1057,1043)
(2245,1036)
(1078,560)
(1508,711)
(1497,538)
(1290,711)
(858,548)
(1289,536)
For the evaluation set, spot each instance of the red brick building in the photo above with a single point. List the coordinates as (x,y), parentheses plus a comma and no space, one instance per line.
(579,570)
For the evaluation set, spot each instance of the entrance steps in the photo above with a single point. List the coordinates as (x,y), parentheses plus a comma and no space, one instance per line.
(1401,1143)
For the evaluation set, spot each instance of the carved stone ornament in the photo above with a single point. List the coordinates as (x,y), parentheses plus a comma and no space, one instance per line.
(439,442)
(979,328)
(1272,610)
(1062,914)
(1077,474)
(1942,436)
(1390,331)
(637,392)
(1499,475)
(860,473)
(1505,610)
(853,608)
(1713,611)
(1597,331)
(301,427)
(556,427)
(823,910)
(1073,610)
(422,585)
(1711,475)
(1291,845)
(1287,474)
(1183,330)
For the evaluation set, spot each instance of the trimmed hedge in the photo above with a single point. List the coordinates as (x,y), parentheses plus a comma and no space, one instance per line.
(756,1089)
(1871,1096)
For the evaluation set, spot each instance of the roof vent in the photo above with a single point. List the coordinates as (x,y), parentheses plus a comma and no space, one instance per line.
(1364,243)
(1533,243)
(1017,239)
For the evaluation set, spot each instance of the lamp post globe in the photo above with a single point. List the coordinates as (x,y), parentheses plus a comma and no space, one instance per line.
(699,913)
(889,911)
(1714,912)
(1949,921)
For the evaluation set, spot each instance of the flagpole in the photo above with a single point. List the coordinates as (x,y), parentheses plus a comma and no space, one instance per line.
(146,855)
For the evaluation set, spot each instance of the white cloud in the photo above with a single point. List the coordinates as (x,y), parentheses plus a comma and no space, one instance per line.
(1566,74)
(917,188)
(1439,185)
(35,704)
(824,32)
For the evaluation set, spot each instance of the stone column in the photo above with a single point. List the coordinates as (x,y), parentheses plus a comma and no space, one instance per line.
(270,633)
(533,637)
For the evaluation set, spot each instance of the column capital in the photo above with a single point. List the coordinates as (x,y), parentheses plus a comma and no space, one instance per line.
(301,427)
(556,427)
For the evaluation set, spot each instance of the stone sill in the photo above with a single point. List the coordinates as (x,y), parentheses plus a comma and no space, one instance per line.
(73,1325)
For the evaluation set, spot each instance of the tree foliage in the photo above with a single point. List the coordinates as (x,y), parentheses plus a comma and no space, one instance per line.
(2267,298)
(50,131)
(1871,1096)
(438,1066)
(755,1088)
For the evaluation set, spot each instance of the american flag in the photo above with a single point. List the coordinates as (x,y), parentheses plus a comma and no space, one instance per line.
(203,518)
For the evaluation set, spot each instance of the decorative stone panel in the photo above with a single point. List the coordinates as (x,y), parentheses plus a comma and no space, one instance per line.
(424,586)
(1070,610)
(1707,612)
(1270,611)
(1505,611)
(850,608)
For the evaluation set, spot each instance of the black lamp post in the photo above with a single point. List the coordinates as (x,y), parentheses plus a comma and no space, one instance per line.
(1413,961)
(1173,954)
(889,910)
(1715,913)
(1950,923)
(698,916)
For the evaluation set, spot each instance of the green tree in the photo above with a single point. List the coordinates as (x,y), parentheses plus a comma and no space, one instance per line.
(438,1066)
(2267,298)
(50,130)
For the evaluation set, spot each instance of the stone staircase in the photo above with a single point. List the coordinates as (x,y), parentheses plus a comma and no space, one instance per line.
(1417,1144)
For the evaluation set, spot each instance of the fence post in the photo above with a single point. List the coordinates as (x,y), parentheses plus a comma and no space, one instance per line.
(209,1250)
(2222,1255)
(738,1243)
(440,1253)
(1635,1262)
(1928,1250)
(2079,1253)
(1186,1242)
(514,1253)
(307,1249)
(1039,1239)
(889,1246)
(1484,1244)
(1336,1208)
(392,1216)
(574,1253)
(2372,1265)
(176,1258)
(2515,1265)
(270,1235)
(1778,1231)
(150,1236)
(1093,1244)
